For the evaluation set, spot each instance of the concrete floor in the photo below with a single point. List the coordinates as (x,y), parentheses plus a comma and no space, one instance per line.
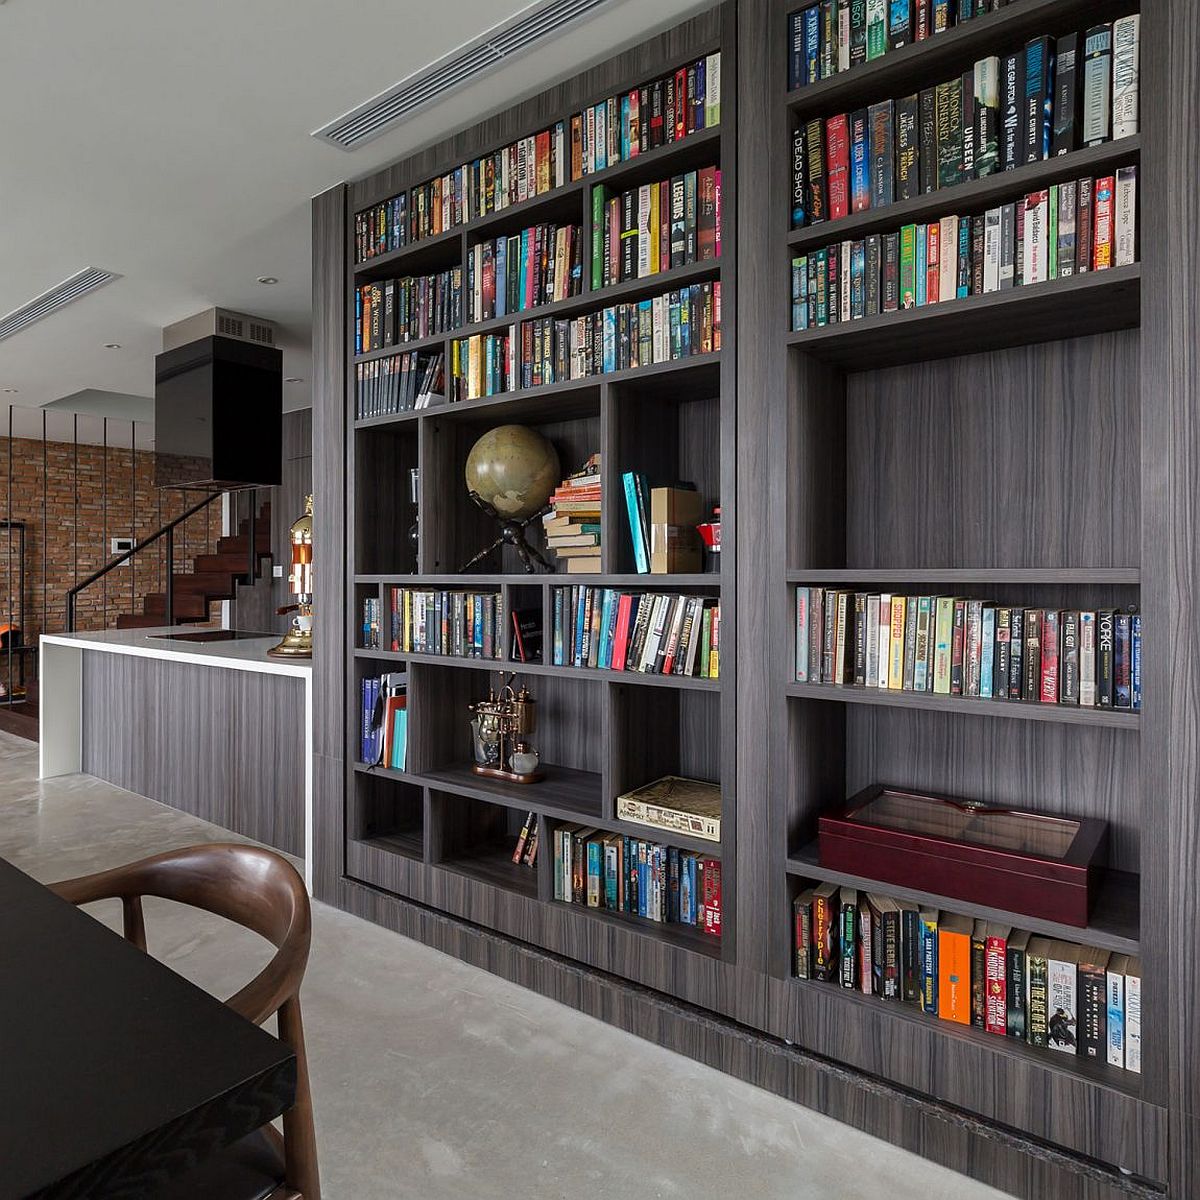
(435,1080)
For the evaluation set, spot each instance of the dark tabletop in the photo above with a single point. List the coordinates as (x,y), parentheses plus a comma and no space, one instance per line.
(116,1074)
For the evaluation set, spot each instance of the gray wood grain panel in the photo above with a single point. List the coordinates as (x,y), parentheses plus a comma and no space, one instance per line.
(227,746)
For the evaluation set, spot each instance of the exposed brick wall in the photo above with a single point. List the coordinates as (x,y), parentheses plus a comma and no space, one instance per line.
(90,494)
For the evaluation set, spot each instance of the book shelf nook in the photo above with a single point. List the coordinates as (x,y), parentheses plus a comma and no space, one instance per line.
(1031,447)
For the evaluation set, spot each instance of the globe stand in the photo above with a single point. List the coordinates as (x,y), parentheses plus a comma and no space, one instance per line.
(512,533)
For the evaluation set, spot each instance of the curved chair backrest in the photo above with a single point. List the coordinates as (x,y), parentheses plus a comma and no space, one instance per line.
(261,891)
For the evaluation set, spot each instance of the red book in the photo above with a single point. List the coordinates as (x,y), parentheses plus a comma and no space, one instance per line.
(635,124)
(681,104)
(933,263)
(958,647)
(1083,226)
(621,633)
(995,1010)
(712,896)
(1102,225)
(1049,689)
(706,215)
(664,225)
(837,165)
(542,154)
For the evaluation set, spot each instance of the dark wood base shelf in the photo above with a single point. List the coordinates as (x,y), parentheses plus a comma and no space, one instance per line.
(1095,302)
(492,864)
(1115,576)
(410,844)
(1115,922)
(972,196)
(564,794)
(1017,710)
(686,937)
(1128,1083)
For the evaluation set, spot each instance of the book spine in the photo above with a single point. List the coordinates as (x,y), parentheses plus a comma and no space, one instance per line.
(1093,1013)
(1067,76)
(996,995)
(1097,85)
(1115,1018)
(1126,37)
(1014,992)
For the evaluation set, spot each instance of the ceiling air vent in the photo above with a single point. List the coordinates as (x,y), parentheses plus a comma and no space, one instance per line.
(457,68)
(50,302)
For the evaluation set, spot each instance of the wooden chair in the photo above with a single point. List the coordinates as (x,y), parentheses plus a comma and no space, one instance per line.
(259,890)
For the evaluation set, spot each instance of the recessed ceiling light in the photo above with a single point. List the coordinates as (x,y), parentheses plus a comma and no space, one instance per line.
(267,279)
(112,345)
(293,379)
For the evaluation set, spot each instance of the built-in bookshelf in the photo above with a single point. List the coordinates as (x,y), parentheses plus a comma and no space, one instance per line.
(946,448)
(600,732)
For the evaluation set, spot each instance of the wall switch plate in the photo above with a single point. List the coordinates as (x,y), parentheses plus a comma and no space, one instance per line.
(277,571)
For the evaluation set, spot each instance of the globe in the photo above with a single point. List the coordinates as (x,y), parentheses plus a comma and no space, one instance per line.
(514,469)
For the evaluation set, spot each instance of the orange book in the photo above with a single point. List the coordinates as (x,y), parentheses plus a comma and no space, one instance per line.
(954,969)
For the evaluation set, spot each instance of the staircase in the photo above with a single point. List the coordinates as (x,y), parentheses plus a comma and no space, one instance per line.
(213,577)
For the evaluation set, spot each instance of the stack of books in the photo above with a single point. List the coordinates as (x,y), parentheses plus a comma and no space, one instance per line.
(1044,991)
(572,527)
(399,383)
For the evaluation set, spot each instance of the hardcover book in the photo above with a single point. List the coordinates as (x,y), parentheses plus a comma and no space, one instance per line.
(679,805)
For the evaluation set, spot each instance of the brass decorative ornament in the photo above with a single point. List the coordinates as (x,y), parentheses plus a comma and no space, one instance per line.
(298,641)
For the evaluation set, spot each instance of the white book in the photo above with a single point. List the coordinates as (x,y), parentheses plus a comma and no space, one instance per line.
(844,281)
(1087,659)
(872,673)
(1125,233)
(712,91)
(1133,1016)
(1115,1010)
(1097,86)
(601,135)
(662,345)
(658,620)
(843,36)
(696,608)
(1036,263)
(948,259)
(589,158)
(1126,36)
(1062,997)
(802,635)
(644,266)
(885,641)
(991,250)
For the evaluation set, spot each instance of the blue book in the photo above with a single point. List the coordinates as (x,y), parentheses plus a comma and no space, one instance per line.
(558,627)
(943,16)
(643,878)
(611,870)
(812,45)
(1115,993)
(602,135)
(922,280)
(630,876)
(860,162)
(400,739)
(987,652)
(523,274)
(358,329)
(858,280)
(609,342)
(604,655)
(595,872)
(624,127)
(1135,662)
(795,51)
(929,965)
(1122,661)
(580,626)
(501,276)
(964,258)
(637,522)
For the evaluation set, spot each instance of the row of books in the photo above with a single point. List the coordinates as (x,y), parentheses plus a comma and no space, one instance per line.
(572,526)
(959,647)
(545,350)
(644,879)
(1043,991)
(462,624)
(395,311)
(399,383)
(649,632)
(617,129)
(1067,229)
(832,36)
(1050,98)
(539,265)
(525,852)
(655,227)
(384,721)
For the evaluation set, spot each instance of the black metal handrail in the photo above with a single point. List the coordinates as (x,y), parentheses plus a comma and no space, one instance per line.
(167,531)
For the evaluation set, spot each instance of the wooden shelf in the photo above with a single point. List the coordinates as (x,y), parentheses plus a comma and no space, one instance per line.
(439,252)
(564,794)
(974,195)
(686,937)
(921,63)
(1128,1083)
(408,845)
(1115,921)
(492,864)
(435,341)
(1095,302)
(1114,576)
(703,581)
(971,706)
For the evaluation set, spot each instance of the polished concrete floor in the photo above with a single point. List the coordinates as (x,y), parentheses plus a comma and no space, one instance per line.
(434,1080)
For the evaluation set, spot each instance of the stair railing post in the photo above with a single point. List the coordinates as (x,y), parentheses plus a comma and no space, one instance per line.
(253,538)
(171,575)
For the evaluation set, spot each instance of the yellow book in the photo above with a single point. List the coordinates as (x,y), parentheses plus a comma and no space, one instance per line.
(655,219)
(896,661)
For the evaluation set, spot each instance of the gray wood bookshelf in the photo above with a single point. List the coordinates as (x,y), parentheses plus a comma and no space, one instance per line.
(1036,447)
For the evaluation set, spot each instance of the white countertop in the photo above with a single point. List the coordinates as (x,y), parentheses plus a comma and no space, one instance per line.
(245,655)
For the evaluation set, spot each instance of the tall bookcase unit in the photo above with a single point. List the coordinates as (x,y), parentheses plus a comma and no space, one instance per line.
(437,832)
(1037,447)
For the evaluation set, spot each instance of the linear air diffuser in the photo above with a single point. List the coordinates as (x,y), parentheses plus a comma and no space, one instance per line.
(455,69)
(50,302)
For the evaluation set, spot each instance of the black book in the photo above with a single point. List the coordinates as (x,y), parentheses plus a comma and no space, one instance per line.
(1122,652)
(858,32)
(1093,1005)
(1039,73)
(1068,680)
(968,124)
(910,950)
(882,133)
(874,265)
(1015,983)
(1012,97)
(900,23)
(799,180)
(958,660)
(978,242)
(928,141)
(860,638)
(834,287)
(1105,657)
(814,142)
(891,272)
(1016,653)
(979,972)
(1031,683)
(1067,93)
(908,166)
(678,228)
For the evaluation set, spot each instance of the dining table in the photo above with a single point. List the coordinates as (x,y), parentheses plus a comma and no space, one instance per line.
(117,1075)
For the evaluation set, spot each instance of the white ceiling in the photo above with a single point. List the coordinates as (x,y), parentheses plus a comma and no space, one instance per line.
(169,141)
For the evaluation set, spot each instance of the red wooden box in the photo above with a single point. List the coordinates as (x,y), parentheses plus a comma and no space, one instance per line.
(1022,862)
